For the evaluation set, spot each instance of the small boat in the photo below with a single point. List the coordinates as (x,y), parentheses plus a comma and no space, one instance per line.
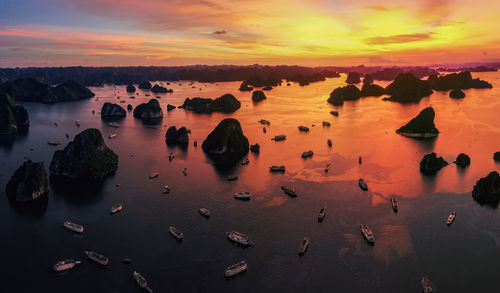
(426,287)
(264,129)
(327,124)
(185,172)
(307,154)
(73,227)
(289,190)
(360,160)
(53,142)
(205,212)
(303,128)
(166,189)
(329,142)
(304,244)
(367,233)
(67,135)
(394,205)
(265,122)
(277,168)
(116,208)
(113,135)
(98,258)
(171,156)
(65,265)
(55,123)
(245,161)
(126,261)
(279,137)
(154,175)
(322,214)
(362,184)
(334,113)
(141,281)
(239,238)
(113,124)
(327,167)
(236,269)
(242,195)
(176,233)
(451,218)
(77,123)
(231,178)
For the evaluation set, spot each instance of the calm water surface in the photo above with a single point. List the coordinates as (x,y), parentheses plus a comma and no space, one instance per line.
(413,243)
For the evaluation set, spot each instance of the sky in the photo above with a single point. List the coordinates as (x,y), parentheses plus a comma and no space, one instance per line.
(302,32)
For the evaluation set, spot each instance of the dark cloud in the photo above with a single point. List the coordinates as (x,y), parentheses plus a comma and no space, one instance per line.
(221,32)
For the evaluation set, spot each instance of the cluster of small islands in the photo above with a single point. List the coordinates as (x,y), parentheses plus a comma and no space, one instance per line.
(87,158)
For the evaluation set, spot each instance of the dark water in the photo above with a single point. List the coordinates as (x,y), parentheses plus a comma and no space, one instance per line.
(413,243)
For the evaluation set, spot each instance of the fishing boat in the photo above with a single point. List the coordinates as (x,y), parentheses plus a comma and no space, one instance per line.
(265,122)
(327,167)
(394,205)
(245,161)
(289,190)
(277,168)
(166,189)
(307,154)
(205,212)
(176,233)
(154,175)
(304,244)
(360,160)
(141,281)
(77,123)
(451,218)
(113,124)
(322,214)
(264,129)
(171,156)
(53,142)
(327,124)
(242,195)
(334,113)
(329,142)
(367,233)
(67,135)
(239,238)
(65,265)
(185,172)
(426,287)
(236,269)
(97,258)
(363,184)
(279,137)
(73,227)
(232,178)
(116,208)
(113,135)
(303,128)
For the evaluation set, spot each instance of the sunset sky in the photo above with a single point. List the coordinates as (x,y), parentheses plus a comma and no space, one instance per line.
(305,32)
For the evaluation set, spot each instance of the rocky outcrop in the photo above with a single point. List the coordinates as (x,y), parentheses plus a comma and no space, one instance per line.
(29,182)
(226,142)
(31,90)
(430,164)
(487,190)
(267,88)
(353,77)
(346,93)
(145,85)
(258,96)
(149,111)
(13,118)
(496,156)
(177,136)
(225,104)
(462,80)
(422,126)
(85,158)
(371,90)
(130,88)
(368,79)
(244,87)
(112,111)
(255,148)
(457,94)
(407,88)
(462,160)
(160,89)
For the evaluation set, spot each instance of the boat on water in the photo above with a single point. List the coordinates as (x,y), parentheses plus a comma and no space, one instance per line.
(242,195)
(264,129)
(176,233)
(329,142)
(265,122)
(73,227)
(279,137)
(394,205)
(289,190)
(277,168)
(53,142)
(303,128)
(304,244)
(65,265)
(426,287)
(232,178)
(171,156)
(154,175)
(116,208)
(363,184)
(113,124)
(326,123)
(166,189)
(97,258)
(236,269)
(239,238)
(451,218)
(334,113)
(141,281)
(327,167)
(205,212)
(245,161)
(67,135)
(77,123)
(307,154)
(367,233)
(360,160)
(185,172)
(113,135)
(322,214)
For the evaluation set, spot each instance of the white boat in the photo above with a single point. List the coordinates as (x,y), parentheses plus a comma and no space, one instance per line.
(113,124)
(265,122)
(394,204)
(303,128)
(451,218)
(362,184)
(53,142)
(304,244)
(426,287)
(367,233)
(113,135)
(97,258)
(279,137)
(322,214)
(236,269)
(65,265)
(327,124)
(242,195)
(116,208)
(277,168)
(232,178)
(154,175)
(141,281)
(307,154)
(205,212)
(73,227)
(166,189)
(289,190)
(239,238)
(245,161)
(176,233)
